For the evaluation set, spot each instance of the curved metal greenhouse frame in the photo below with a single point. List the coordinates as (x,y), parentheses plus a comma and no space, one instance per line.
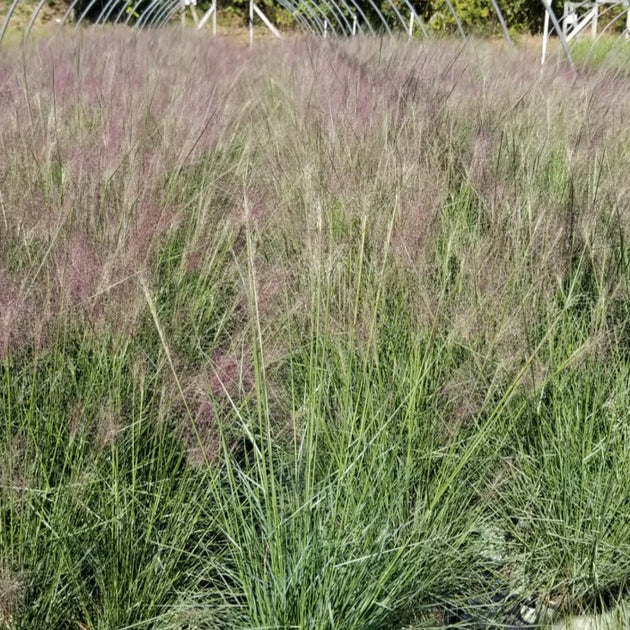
(341,18)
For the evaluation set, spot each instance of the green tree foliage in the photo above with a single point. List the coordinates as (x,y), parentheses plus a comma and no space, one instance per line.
(479,15)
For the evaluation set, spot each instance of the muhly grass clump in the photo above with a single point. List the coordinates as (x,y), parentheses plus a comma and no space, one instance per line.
(323,334)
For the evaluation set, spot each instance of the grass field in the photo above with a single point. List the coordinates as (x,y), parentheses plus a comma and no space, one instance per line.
(323,334)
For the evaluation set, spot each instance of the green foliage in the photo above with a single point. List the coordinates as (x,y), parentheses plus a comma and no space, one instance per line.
(479,15)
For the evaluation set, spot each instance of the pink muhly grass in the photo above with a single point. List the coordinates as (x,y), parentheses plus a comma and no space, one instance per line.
(212,398)
(16,315)
(107,148)
(13,587)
